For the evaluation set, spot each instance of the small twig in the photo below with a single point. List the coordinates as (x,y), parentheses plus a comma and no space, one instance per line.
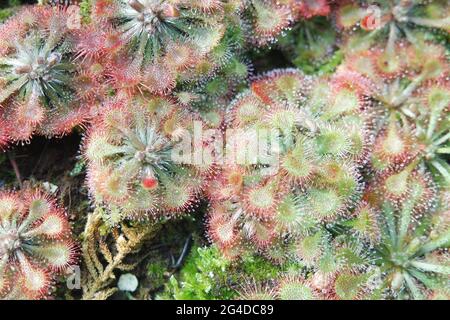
(183,253)
(15,167)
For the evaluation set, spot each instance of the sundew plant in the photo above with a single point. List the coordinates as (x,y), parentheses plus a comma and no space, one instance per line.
(225,149)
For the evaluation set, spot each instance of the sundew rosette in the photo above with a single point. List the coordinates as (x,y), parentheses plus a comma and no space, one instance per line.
(35,244)
(150,46)
(412,95)
(307,176)
(152,28)
(383,251)
(390,249)
(132,169)
(38,77)
(408,242)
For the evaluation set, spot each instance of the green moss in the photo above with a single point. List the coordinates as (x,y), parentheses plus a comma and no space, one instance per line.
(204,276)
(13,3)
(155,273)
(85,10)
(5,14)
(7,9)
(207,274)
(259,268)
